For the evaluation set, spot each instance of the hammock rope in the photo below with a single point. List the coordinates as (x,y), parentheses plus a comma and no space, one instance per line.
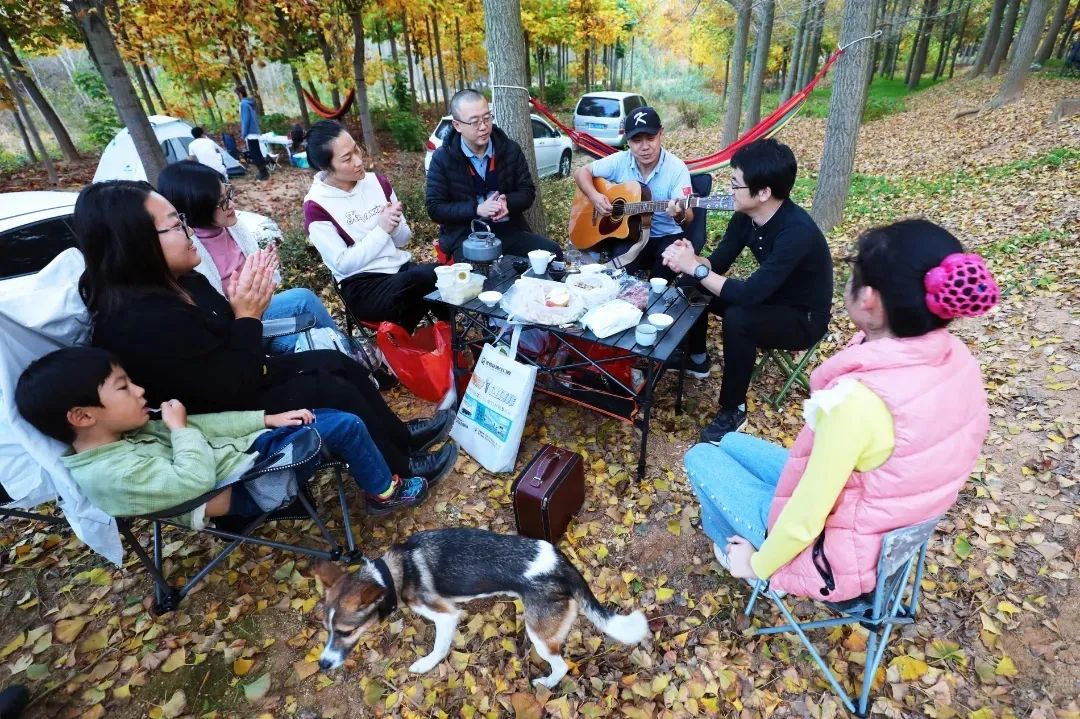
(767,127)
(326,112)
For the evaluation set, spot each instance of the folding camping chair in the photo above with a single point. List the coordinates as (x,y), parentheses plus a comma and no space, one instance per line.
(903,553)
(702,186)
(794,371)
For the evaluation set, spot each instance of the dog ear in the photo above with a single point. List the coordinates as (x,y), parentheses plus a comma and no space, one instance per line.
(371,593)
(328,572)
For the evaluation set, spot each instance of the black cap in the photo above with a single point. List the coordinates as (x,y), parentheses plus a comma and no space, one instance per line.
(642,119)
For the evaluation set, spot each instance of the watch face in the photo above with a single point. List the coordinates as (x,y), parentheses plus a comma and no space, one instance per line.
(701,272)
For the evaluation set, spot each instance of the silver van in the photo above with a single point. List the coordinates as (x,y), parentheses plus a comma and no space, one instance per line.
(603,115)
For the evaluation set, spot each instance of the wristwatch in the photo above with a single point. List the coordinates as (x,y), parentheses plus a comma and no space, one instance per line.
(701,271)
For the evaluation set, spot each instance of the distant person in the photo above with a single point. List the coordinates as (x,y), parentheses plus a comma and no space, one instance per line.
(481,174)
(205,151)
(249,130)
(296,138)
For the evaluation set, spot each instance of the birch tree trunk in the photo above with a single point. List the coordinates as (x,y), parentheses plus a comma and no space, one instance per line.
(99,40)
(738,72)
(761,62)
(1026,45)
(845,115)
(506,66)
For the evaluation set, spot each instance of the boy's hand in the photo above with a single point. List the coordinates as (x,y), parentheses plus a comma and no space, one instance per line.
(290,419)
(174,414)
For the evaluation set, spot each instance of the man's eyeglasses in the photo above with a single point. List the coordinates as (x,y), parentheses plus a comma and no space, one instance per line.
(228,198)
(484,121)
(181,225)
(739,187)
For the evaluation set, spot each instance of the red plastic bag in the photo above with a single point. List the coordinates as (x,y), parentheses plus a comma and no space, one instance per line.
(422,360)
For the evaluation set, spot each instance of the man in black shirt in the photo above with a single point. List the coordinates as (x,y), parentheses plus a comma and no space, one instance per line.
(784,304)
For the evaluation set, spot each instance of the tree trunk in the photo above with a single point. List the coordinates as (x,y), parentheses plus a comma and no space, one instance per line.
(1067,35)
(21,127)
(1026,45)
(922,45)
(100,41)
(845,114)
(20,107)
(356,16)
(431,61)
(1005,38)
(960,35)
(876,19)
(796,54)
(506,66)
(63,139)
(946,39)
(761,62)
(460,54)
(253,86)
(898,36)
(421,70)
(1046,49)
(814,56)
(990,38)
(150,80)
(299,94)
(442,64)
(328,61)
(632,38)
(407,40)
(738,70)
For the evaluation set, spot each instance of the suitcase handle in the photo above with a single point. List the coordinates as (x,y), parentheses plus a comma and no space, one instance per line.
(543,467)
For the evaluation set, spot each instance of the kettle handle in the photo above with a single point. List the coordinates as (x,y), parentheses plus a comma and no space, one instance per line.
(472,226)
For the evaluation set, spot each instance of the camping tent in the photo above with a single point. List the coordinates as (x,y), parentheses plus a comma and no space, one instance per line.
(120,161)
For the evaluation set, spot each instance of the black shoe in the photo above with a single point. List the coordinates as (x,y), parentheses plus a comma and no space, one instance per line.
(433,466)
(729,420)
(425,432)
(263,176)
(384,380)
(13,700)
(408,493)
(700,370)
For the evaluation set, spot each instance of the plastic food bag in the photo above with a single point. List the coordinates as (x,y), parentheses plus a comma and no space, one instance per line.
(634,291)
(611,318)
(423,361)
(541,302)
(595,288)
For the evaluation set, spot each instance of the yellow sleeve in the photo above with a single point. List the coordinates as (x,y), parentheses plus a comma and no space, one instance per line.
(855,432)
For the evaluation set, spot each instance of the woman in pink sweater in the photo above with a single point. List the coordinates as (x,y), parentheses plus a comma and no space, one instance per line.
(895,423)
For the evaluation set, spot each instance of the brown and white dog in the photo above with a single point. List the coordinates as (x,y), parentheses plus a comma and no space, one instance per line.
(433,571)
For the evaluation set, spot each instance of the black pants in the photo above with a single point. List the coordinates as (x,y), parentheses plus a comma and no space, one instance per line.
(325,378)
(651,258)
(254,150)
(748,328)
(517,242)
(397,298)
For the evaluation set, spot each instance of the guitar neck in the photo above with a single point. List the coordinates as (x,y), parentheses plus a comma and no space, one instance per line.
(713,202)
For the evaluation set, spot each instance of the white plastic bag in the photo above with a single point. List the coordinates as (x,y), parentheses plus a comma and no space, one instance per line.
(493,411)
(527,300)
(611,318)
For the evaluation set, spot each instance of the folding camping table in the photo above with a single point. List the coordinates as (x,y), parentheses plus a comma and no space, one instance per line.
(579,366)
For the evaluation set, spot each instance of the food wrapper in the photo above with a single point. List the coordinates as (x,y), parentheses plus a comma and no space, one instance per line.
(611,318)
(634,291)
(530,300)
(595,288)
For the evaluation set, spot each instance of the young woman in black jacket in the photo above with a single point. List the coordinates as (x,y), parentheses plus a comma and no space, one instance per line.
(179,338)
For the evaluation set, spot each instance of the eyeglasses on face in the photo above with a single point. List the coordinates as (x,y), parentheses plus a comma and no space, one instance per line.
(228,198)
(739,187)
(180,225)
(483,121)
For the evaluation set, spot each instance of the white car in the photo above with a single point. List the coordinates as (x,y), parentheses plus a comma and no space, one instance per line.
(603,115)
(35,227)
(554,150)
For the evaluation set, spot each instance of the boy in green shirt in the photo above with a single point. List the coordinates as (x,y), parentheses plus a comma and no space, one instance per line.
(129,465)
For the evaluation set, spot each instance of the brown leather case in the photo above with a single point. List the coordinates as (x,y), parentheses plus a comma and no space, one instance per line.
(548,492)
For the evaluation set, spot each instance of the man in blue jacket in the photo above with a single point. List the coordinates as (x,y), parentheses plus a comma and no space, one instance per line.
(249,130)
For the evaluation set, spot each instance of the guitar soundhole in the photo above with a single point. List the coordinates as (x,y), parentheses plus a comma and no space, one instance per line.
(617,208)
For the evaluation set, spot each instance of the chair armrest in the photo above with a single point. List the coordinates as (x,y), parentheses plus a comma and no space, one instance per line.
(287,326)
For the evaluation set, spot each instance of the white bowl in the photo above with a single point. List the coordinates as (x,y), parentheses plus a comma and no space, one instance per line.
(660,321)
(490,298)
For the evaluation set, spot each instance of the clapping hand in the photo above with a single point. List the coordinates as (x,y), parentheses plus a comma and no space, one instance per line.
(680,257)
(252,287)
(390,217)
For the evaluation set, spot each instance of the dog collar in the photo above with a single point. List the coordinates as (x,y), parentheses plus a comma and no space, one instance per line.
(389,600)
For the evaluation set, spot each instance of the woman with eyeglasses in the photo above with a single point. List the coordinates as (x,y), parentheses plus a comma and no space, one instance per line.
(224,244)
(357,224)
(179,338)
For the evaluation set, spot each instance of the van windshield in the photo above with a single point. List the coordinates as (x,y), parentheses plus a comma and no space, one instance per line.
(598,107)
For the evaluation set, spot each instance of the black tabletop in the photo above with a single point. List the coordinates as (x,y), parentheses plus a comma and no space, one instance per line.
(672,302)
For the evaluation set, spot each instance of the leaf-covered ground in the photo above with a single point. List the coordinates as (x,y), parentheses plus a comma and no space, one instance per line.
(997,634)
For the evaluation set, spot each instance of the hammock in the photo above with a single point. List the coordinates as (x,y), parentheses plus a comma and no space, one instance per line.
(768,127)
(329,113)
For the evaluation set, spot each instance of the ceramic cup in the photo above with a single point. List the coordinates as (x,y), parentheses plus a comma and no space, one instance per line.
(539,260)
(645,335)
(444,276)
(659,284)
(462,273)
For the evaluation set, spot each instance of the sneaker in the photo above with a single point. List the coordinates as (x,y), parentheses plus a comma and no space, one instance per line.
(728,420)
(424,433)
(408,493)
(433,466)
(721,556)
(701,370)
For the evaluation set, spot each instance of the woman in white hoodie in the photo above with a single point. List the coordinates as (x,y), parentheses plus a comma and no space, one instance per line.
(356,222)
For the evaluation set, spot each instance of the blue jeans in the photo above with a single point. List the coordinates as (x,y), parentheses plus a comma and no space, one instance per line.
(291,303)
(347,438)
(735,483)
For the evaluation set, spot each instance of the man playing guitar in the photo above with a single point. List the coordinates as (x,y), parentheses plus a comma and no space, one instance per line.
(667,178)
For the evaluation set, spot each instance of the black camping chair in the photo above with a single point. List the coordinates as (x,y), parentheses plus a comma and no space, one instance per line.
(702,186)
(8,511)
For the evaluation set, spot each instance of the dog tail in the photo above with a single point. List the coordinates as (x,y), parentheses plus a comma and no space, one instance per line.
(624,628)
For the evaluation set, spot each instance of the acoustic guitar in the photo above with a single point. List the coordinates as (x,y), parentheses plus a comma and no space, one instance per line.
(631,203)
